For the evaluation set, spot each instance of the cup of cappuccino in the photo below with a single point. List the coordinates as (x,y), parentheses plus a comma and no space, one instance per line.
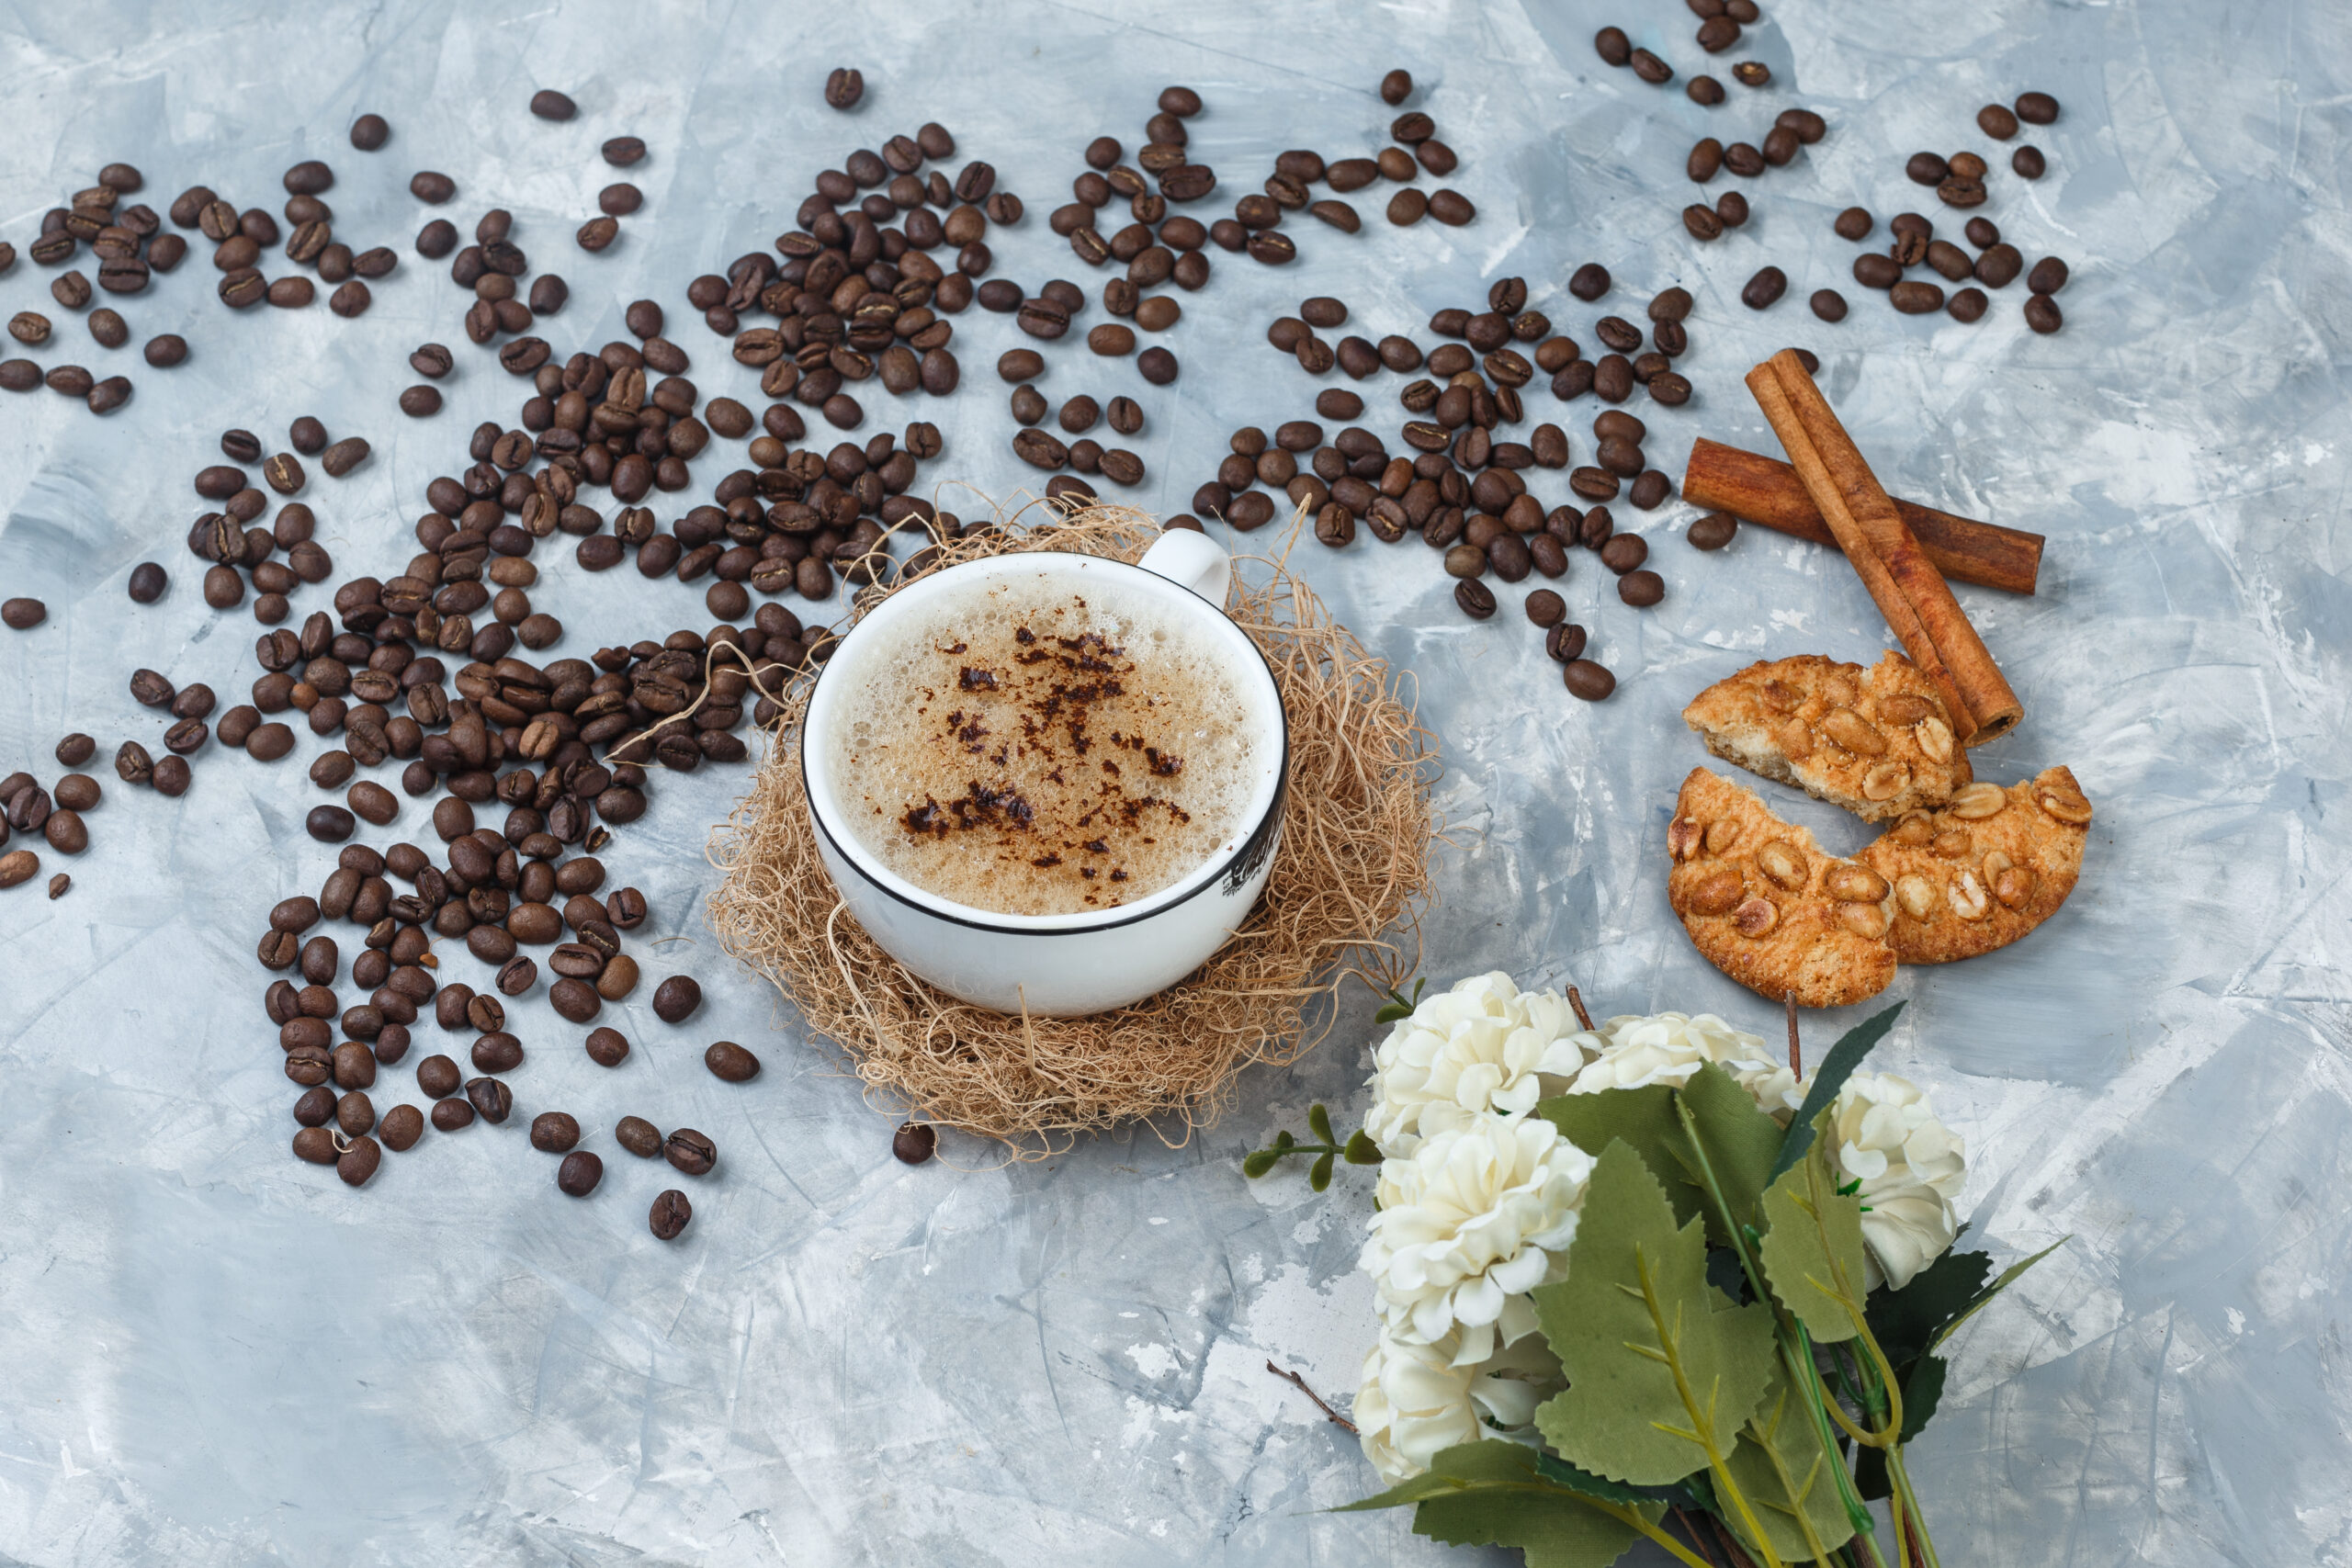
(1050,781)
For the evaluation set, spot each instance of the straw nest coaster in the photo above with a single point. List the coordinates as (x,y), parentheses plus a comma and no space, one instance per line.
(1353,862)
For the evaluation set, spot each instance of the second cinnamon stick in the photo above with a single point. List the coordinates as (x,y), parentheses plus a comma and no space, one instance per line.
(1880,547)
(1757,488)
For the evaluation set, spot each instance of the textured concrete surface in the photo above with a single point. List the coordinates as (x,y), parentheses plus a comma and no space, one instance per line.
(217,1356)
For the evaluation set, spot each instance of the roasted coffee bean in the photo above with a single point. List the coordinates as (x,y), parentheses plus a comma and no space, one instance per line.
(1641,589)
(1828,304)
(731,1062)
(75,750)
(1473,598)
(1927,169)
(1968,305)
(2037,108)
(492,1100)
(438,1077)
(2041,313)
(607,1047)
(1589,680)
(1650,68)
(1614,47)
(450,1116)
(23,614)
(915,1142)
(844,85)
(690,1152)
(1713,531)
(554,1133)
(578,1174)
(670,1214)
(675,998)
(1731,210)
(1701,222)
(2047,277)
(1915,298)
(2028,163)
(1623,552)
(638,1135)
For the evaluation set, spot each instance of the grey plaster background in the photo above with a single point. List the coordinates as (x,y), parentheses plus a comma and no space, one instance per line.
(214,1355)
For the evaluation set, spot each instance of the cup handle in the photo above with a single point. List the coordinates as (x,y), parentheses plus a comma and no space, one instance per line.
(1191,561)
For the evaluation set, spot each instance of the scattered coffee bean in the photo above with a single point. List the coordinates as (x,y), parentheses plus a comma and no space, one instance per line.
(1764,288)
(23,614)
(2041,313)
(670,1214)
(1915,298)
(360,1161)
(2028,163)
(638,1135)
(675,998)
(1589,680)
(578,1174)
(75,750)
(343,455)
(19,866)
(1641,589)
(492,1100)
(844,85)
(554,1132)
(915,1142)
(371,131)
(402,1127)
(2037,108)
(731,1062)
(1828,304)
(1713,531)
(2047,277)
(1854,223)
(691,1153)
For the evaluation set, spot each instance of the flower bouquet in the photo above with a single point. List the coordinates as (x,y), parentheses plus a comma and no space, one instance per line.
(1644,1279)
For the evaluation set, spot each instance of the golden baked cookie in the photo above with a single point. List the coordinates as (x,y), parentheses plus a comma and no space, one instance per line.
(1765,904)
(1875,741)
(1984,870)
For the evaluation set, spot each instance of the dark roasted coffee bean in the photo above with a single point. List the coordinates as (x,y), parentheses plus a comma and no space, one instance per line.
(915,1142)
(1641,589)
(730,1061)
(1927,169)
(1589,680)
(670,1214)
(450,1116)
(343,455)
(2047,277)
(843,86)
(549,104)
(1968,305)
(638,1135)
(2037,108)
(554,1133)
(1473,598)
(492,1100)
(1713,531)
(2041,313)
(1653,69)
(690,1152)
(1854,223)
(675,998)
(607,1047)
(1700,221)
(2028,163)
(1875,271)
(1731,208)
(1614,47)
(1915,298)
(1828,304)
(578,1174)
(438,1077)
(1999,266)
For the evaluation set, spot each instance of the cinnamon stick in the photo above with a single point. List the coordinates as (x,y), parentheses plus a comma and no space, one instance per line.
(1916,601)
(1757,488)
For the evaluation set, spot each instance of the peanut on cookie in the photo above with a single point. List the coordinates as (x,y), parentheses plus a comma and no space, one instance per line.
(1875,741)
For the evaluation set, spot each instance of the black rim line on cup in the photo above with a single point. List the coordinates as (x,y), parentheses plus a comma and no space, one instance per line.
(1252,846)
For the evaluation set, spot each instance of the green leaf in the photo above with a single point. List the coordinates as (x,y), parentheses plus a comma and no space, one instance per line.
(2008,1277)
(1400,1006)
(1661,1372)
(1737,1138)
(1361,1149)
(1829,1077)
(1283,1140)
(1502,1493)
(1320,1177)
(1811,1252)
(1780,1466)
(1258,1162)
(1642,1120)
(1906,1322)
(1681,1494)
(1922,1391)
(1320,1120)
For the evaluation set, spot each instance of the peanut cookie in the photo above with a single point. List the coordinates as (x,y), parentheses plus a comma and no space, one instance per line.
(1765,904)
(1875,741)
(1984,870)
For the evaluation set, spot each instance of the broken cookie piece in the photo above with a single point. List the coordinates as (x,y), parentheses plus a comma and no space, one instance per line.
(1984,871)
(1875,741)
(1764,903)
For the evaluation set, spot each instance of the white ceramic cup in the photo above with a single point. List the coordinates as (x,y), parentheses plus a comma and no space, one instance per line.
(1059,966)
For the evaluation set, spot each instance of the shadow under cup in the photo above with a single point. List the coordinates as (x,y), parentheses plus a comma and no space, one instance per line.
(1065,964)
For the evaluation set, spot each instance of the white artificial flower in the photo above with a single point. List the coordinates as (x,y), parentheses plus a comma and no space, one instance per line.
(1414,1402)
(1911,1168)
(1633,1050)
(1477,1216)
(1484,1046)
